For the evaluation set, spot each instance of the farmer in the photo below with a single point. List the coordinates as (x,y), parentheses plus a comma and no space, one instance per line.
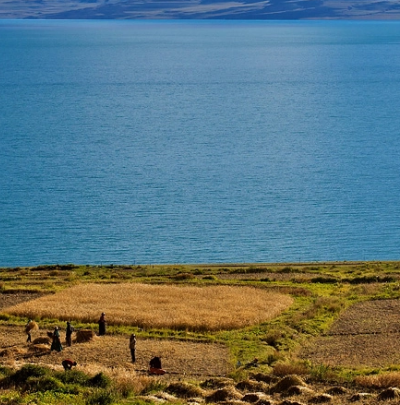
(68,364)
(132,346)
(155,366)
(102,324)
(68,334)
(56,344)
(28,330)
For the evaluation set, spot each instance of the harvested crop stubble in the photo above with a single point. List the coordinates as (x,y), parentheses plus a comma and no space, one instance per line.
(159,306)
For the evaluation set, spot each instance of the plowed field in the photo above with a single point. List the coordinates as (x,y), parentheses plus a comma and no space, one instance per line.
(366,335)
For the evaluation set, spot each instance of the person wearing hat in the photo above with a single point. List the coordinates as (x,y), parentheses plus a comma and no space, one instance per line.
(132,346)
(102,324)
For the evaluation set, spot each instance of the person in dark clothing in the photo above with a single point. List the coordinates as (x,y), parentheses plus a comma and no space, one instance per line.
(68,364)
(155,366)
(28,331)
(56,344)
(68,334)
(132,346)
(155,362)
(102,324)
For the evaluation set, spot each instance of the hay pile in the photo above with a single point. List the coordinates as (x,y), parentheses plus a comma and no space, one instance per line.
(42,340)
(184,390)
(224,394)
(31,326)
(13,352)
(83,336)
(38,349)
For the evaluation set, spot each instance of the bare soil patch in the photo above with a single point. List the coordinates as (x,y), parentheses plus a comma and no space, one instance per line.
(7,300)
(366,335)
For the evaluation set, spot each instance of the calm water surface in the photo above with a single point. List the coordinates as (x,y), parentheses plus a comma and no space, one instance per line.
(193,142)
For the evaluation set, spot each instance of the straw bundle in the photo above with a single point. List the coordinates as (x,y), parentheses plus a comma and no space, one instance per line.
(42,340)
(12,352)
(83,336)
(31,326)
(40,348)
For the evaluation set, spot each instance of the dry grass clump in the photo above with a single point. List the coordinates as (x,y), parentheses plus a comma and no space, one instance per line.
(13,352)
(31,326)
(283,369)
(39,348)
(184,390)
(217,382)
(42,340)
(127,382)
(83,336)
(160,306)
(384,380)
(224,394)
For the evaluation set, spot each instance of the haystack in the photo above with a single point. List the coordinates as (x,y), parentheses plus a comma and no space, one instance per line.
(217,382)
(83,336)
(184,390)
(12,352)
(250,385)
(286,382)
(224,394)
(31,326)
(42,340)
(40,348)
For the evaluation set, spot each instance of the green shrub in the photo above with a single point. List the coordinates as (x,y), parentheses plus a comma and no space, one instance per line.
(26,371)
(100,380)
(273,338)
(44,383)
(210,277)
(184,390)
(324,280)
(73,377)
(5,371)
(183,276)
(101,397)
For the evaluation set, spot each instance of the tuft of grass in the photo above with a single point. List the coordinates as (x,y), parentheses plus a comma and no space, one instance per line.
(379,381)
(101,397)
(284,369)
(100,380)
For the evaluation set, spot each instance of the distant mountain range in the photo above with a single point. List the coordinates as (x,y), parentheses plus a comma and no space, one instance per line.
(202,9)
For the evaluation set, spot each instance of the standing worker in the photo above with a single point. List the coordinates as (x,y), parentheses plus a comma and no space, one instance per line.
(102,324)
(56,344)
(132,346)
(28,331)
(68,334)
(29,327)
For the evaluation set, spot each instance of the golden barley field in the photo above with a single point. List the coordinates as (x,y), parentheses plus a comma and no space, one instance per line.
(193,308)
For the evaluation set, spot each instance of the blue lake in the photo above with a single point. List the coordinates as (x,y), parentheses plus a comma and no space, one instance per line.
(198,141)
